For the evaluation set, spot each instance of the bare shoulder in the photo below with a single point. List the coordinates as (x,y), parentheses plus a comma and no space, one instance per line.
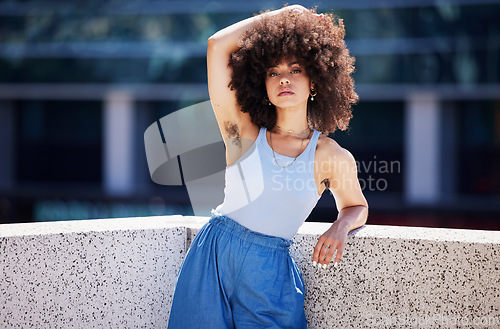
(329,151)
(336,169)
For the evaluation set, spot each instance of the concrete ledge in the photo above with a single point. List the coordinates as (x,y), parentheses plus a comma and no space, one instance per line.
(120,273)
(404,277)
(112,273)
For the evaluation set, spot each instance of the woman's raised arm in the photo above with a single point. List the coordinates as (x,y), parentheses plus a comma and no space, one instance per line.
(232,122)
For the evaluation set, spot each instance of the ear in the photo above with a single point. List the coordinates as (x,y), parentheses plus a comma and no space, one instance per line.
(311,85)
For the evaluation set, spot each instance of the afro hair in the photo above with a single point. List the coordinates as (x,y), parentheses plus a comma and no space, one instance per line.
(317,43)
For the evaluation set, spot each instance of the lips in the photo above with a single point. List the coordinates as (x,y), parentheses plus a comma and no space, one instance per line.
(285,92)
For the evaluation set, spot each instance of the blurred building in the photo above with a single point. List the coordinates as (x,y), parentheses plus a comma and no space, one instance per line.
(81,81)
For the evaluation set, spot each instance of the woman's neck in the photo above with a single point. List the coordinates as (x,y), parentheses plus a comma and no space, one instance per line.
(291,121)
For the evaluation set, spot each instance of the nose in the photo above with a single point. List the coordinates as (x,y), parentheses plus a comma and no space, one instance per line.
(284,80)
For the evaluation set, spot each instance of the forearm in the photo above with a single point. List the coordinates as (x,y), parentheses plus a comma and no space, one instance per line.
(350,218)
(227,38)
(335,237)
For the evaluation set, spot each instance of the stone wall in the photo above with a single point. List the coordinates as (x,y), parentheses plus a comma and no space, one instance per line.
(120,273)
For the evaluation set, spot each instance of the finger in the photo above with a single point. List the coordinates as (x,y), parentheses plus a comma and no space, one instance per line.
(317,249)
(325,249)
(340,251)
(331,252)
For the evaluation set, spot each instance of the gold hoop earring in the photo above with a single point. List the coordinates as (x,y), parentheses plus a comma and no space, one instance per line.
(313,93)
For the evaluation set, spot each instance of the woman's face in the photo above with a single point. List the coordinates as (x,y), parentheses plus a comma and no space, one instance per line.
(287,84)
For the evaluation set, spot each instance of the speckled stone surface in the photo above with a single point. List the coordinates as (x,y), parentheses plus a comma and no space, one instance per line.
(113,273)
(404,277)
(120,273)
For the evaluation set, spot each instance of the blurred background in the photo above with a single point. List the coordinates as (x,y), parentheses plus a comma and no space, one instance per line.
(80,81)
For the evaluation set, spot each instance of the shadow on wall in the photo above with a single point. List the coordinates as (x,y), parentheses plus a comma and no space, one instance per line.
(186,148)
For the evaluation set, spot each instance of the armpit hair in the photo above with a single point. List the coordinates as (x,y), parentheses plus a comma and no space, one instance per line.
(233,133)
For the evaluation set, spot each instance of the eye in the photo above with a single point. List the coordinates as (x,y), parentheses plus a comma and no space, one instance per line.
(295,71)
(273,74)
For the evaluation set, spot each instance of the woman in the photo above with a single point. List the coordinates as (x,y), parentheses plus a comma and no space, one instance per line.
(277,81)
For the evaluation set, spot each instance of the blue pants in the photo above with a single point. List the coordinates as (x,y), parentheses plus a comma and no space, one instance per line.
(233,277)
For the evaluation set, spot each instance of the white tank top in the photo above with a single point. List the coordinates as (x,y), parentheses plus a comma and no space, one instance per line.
(266,198)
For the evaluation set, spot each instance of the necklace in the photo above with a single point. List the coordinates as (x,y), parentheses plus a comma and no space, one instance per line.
(301,144)
(291,131)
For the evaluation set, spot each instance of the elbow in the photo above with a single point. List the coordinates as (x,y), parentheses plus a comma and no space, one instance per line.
(212,44)
(212,41)
(365,214)
(361,213)
(364,204)
(210,47)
